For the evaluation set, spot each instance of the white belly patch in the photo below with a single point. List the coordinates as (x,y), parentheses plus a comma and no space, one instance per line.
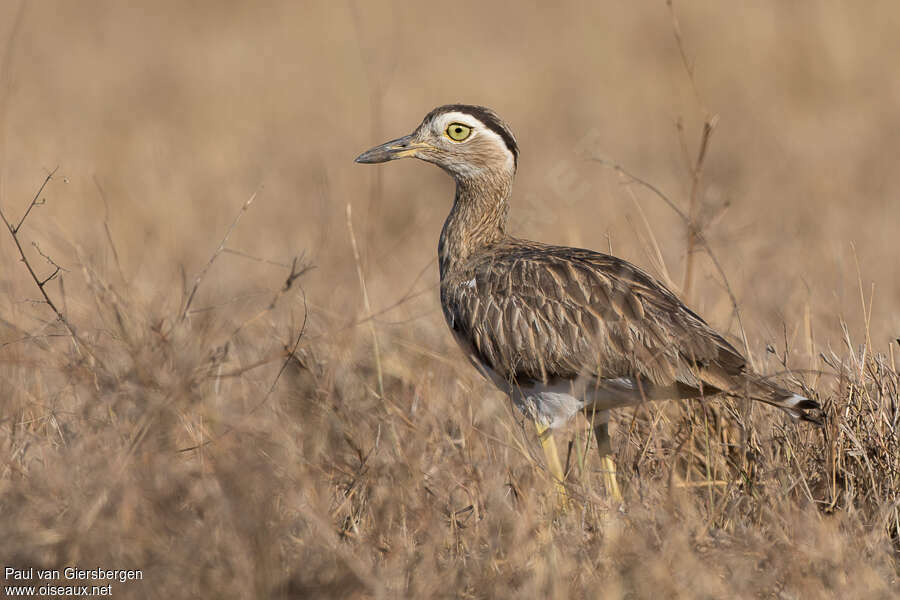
(554,404)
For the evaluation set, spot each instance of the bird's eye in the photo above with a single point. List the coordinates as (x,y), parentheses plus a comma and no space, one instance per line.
(458,132)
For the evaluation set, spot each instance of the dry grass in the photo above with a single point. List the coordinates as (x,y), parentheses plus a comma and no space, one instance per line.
(273,435)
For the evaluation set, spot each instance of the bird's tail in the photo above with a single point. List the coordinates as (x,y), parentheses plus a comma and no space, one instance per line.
(799,407)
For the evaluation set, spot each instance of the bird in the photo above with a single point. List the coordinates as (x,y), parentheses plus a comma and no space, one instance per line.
(561,330)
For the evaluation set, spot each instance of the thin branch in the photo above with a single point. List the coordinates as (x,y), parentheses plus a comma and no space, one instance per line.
(36,201)
(52,262)
(693,228)
(255,258)
(621,170)
(199,279)
(295,273)
(40,283)
(291,354)
(49,277)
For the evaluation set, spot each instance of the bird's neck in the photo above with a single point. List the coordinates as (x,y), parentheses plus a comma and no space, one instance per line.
(478,218)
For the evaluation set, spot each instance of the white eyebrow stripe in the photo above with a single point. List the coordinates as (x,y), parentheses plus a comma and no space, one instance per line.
(460,117)
(478,128)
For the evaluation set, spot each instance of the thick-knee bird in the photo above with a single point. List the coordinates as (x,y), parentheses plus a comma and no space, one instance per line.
(561,330)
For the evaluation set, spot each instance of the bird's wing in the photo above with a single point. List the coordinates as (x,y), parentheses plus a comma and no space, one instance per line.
(539,312)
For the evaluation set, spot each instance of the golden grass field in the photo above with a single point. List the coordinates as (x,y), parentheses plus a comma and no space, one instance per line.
(326,438)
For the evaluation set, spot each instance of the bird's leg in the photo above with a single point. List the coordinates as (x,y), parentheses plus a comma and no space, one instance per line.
(545,434)
(601,432)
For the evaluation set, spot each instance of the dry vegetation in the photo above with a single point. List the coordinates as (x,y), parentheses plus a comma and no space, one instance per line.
(302,425)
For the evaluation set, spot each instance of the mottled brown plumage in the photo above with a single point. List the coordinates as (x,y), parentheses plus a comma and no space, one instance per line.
(560,329)
(536,313)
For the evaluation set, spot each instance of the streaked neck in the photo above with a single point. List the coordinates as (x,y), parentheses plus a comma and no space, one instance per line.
(478,218)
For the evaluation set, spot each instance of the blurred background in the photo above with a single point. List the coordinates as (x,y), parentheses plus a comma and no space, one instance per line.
(178,112)
(229,457)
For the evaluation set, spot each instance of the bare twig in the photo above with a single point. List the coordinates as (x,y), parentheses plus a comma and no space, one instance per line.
(299,268)
(693,226)
(291,352)
(221,247)
(49,260)
(621,170)
(36,201)
(256,258)
(41,283)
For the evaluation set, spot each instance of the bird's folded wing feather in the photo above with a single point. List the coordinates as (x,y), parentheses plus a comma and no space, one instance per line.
(541,312)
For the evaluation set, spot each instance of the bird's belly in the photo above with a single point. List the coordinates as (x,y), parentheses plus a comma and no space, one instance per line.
(554,404)
(550,407)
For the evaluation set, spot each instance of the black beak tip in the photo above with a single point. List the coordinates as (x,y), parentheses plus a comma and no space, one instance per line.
(367,158)
(385,152)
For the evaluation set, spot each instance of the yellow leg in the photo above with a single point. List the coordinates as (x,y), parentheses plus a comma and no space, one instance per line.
(608,466)
(553,463)
(609,477)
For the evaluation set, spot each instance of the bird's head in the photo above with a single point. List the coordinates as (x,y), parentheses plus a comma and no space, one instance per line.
(466,141)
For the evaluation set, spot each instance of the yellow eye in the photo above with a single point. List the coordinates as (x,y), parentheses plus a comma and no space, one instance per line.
(458,132)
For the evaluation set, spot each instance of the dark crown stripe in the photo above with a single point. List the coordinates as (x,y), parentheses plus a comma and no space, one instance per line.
(486,116)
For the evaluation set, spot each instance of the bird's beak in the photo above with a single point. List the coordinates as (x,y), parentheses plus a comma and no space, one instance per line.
(399,148)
